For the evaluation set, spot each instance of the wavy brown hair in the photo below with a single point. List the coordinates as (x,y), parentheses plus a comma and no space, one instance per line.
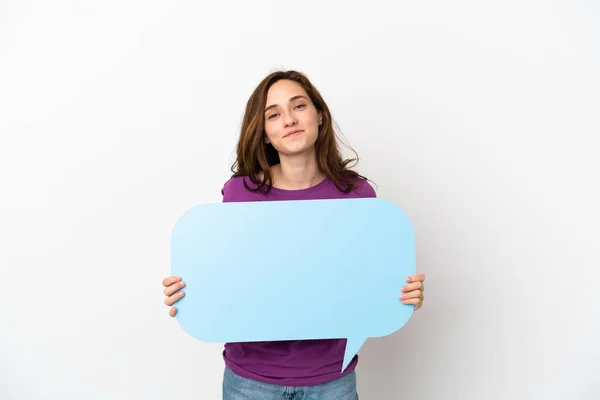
(254,155)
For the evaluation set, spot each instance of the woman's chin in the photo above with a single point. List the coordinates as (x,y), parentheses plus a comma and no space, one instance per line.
(296,148)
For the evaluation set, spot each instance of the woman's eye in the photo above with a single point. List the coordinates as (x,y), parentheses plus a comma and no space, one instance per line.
(272,116)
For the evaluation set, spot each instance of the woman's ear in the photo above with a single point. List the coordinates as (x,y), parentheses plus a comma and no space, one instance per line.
(320,118)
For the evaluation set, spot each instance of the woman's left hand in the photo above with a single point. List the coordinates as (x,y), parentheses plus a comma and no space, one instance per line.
(413,291)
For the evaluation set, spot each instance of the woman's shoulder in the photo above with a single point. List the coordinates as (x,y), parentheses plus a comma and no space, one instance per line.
(362,187)
(234,189)
(232,183)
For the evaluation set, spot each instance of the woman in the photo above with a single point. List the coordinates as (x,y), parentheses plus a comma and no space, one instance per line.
(287,150)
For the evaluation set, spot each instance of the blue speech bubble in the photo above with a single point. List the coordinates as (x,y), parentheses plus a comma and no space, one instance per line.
(333,267)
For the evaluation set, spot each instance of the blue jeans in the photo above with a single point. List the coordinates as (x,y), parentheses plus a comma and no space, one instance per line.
(237,388)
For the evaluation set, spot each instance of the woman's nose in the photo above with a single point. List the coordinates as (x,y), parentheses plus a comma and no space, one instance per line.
(289,119)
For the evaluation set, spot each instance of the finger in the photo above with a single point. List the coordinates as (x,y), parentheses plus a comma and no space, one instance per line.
(173,299)
(417,277)
(419,305)
(173,288)
(413,286)
(172,311)
(412,295)
(170,280)
(412,301)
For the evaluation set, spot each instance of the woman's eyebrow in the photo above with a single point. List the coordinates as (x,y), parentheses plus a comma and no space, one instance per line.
(291,99)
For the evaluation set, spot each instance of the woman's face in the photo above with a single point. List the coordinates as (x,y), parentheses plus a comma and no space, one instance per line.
(291,120)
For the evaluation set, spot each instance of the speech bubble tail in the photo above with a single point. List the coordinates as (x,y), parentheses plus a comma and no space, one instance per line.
(352,347)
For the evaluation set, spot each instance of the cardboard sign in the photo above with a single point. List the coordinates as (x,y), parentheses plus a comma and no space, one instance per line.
(293,270)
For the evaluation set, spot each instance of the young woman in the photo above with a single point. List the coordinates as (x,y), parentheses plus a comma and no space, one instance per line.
(287,150)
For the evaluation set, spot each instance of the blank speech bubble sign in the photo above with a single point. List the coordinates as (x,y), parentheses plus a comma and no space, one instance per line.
(293,270)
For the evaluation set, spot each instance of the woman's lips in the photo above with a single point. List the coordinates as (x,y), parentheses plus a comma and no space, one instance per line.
(293,133)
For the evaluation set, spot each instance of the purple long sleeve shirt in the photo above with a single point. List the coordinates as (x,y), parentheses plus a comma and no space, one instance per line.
(293,362)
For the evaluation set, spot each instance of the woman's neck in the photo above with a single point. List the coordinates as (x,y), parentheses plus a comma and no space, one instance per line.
(294,173)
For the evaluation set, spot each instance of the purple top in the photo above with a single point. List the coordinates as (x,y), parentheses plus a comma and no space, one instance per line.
(293,362)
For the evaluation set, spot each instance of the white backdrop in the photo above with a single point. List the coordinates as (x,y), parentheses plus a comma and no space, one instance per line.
(480,120)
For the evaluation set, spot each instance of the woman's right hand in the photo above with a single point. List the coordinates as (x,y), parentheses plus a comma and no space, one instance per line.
(172,285)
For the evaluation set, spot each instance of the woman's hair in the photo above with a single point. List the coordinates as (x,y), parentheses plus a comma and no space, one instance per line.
(255,155)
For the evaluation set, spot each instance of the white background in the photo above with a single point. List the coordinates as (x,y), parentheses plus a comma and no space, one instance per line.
(479,119)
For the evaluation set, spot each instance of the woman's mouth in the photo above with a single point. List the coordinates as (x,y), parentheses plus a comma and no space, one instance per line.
(293,133)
